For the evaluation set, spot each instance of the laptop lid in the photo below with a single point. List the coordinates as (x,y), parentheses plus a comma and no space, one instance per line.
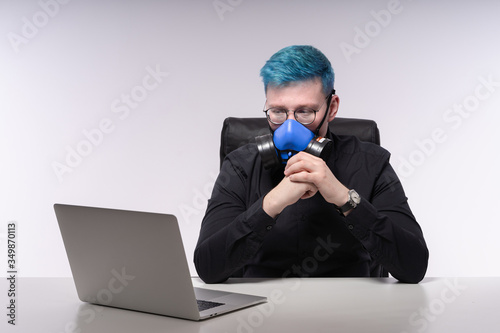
(134,260)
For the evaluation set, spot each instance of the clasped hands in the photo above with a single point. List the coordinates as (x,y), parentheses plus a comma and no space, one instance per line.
(305,175)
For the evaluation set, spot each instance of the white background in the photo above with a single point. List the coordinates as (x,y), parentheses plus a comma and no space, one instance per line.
(409,65)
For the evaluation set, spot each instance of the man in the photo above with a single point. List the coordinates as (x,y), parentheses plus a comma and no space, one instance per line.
(344,216)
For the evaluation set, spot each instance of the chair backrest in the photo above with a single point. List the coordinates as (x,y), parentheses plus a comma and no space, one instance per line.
(237,132)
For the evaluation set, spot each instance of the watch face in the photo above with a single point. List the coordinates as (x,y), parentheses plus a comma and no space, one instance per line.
(355,197)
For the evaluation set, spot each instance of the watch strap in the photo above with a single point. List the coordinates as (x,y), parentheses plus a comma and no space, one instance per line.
(350,204)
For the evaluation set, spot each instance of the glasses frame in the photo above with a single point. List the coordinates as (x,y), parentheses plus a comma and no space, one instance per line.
(294,113)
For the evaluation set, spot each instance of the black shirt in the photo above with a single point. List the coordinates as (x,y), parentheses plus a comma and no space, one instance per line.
(310,238)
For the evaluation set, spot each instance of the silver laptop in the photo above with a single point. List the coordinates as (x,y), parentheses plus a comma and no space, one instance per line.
(136,261)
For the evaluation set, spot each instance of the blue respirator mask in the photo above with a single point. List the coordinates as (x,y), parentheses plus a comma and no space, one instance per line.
(289,139)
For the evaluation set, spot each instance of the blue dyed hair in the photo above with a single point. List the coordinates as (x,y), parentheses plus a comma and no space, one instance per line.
(298,63)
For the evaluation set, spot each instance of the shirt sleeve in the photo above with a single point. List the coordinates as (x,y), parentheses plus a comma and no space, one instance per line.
(385,225)
(231,233)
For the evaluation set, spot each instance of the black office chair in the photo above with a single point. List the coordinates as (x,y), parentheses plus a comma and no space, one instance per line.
(237,132)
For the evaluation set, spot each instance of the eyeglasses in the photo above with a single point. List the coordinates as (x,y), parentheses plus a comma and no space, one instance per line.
(303,115)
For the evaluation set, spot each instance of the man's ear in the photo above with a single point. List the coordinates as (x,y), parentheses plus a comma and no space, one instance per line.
(334,107)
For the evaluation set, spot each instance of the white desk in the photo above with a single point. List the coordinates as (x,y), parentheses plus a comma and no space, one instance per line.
(294,305)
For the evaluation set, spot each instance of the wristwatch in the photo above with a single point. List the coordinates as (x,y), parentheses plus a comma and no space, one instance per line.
(354,200)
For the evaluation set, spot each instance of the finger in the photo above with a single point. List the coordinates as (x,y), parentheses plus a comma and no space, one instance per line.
(295,168)
(310,192)
(298,165)
(307,165)
(301,177)
(297,157)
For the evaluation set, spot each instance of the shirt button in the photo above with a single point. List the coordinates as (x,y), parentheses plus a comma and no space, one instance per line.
(269,227)
(302,217)
(350,226)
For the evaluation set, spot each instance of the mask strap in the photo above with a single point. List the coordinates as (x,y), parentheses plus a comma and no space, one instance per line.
(326,113)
